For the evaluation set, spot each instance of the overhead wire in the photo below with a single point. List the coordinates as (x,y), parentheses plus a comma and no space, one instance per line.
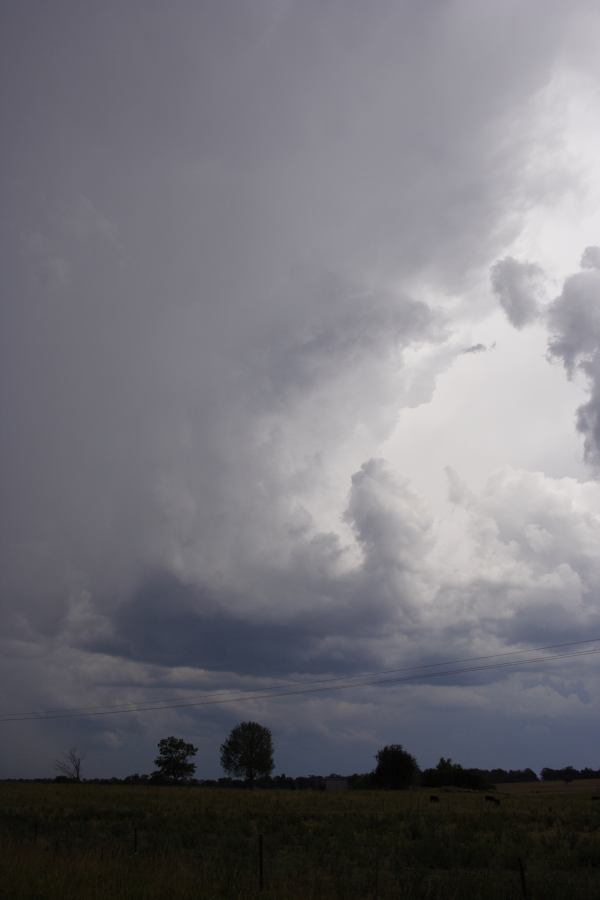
(372,679)
(139,705)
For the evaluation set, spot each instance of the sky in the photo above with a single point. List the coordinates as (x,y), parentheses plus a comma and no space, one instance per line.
(300,379)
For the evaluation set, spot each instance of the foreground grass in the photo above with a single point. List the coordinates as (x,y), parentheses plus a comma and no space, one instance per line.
(90,841)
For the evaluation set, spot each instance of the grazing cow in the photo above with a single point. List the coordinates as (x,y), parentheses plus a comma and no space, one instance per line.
(433,798)
(595,798)
(490,799)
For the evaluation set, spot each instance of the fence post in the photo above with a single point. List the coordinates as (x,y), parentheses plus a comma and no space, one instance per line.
(135,840)
(261,870)
(523,880)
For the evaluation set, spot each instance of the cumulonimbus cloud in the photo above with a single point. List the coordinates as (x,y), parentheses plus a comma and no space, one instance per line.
(210,317)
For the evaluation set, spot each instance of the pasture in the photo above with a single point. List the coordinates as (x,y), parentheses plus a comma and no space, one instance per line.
(73,841)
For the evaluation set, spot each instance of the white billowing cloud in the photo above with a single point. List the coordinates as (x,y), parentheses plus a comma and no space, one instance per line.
(515,563)
(532,569)
(519,287)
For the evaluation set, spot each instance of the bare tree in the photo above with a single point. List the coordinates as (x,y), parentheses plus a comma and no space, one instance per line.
(70,764)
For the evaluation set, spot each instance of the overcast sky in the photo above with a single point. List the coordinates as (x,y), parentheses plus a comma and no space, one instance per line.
(300,376)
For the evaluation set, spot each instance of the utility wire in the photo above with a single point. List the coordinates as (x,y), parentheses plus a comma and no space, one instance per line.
(317,687)
(167,701)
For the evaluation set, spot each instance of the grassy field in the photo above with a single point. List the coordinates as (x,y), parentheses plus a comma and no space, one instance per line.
(90,841)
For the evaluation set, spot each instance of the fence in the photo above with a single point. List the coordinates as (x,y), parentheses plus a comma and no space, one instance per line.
(379,866)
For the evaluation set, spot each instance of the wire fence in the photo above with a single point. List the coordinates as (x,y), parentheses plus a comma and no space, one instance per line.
(382,865)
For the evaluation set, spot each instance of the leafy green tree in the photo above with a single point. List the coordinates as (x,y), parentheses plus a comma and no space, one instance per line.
(248,751)
(396,768)
(173,760)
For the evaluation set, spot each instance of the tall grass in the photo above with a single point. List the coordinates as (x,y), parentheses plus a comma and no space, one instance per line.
(80,841)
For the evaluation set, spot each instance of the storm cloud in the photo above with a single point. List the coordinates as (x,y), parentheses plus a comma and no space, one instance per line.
(244,248)
(518,288)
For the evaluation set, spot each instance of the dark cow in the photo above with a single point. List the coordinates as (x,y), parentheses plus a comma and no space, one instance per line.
(490,799)
(433,798)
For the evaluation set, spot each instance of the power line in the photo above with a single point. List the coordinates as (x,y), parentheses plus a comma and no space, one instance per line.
(316,687)
(167,701)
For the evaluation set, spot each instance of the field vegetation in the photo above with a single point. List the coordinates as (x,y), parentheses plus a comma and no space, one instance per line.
(72,841)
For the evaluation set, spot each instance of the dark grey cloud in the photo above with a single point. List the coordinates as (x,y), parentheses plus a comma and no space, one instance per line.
(337,328)
(588,414)
(326,620)
(574,326)
(168,623)
(476,348)
(573,322)
(590,258)
(519,288)
(226,231)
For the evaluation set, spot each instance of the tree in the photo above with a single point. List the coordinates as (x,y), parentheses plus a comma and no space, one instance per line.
(396,768)
(69,765)
(448,773)
(173,760)
(248,751)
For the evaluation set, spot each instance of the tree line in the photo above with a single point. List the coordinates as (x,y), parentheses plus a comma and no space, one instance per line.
(247,756)
(568,773)
(247,753)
